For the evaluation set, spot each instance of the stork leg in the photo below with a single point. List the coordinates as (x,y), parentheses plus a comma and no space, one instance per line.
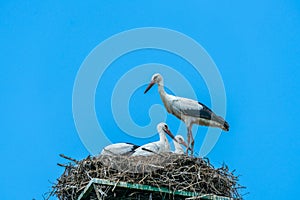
(191,138)
(188,142)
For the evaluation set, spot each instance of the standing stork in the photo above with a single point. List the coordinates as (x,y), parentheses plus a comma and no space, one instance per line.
(188,110)
(158,146)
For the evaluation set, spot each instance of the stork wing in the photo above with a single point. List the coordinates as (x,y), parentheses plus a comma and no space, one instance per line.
(196,109)
(134,146)
(191,108)
(119,149)
(147,149)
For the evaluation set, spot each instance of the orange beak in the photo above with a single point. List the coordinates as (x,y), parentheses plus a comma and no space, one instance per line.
(185,144)
(170,134)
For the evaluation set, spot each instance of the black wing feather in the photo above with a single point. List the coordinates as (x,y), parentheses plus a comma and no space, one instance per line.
(207,113)
(134,146)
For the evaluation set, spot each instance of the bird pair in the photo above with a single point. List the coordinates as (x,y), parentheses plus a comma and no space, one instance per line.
(160,146)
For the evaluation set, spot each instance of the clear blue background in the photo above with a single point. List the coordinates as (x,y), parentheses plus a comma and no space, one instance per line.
(256,46)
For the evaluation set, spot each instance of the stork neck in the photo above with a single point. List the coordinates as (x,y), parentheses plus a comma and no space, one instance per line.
(178,147)
(162,136)
(167,145)
(161,89)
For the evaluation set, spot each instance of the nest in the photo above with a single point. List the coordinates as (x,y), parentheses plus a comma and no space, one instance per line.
(172,171)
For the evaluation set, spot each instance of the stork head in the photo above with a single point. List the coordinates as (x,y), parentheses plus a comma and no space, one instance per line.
(164,127)
(156,78)
(180,140)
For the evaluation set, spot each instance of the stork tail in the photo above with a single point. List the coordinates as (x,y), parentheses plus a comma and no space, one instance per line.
(222,122)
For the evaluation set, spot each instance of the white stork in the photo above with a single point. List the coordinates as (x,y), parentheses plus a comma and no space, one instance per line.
(188,110)
(158,146)
(177,144)
(119,149)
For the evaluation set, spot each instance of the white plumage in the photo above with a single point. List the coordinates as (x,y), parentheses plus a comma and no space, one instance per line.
(158,146)
(177,144)
(188,110)
(167,145)
(119,149)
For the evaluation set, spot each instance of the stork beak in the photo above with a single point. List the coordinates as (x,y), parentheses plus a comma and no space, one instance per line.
(170,134)
(185,144)
(149,86)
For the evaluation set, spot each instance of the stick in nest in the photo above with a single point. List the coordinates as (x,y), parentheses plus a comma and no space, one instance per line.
(175,172)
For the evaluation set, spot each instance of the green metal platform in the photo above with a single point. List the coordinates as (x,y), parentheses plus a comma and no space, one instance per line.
(94,189)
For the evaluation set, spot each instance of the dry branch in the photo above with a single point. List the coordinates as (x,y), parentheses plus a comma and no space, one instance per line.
(172,171)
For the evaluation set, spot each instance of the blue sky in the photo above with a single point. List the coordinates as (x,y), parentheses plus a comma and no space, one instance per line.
(256,46)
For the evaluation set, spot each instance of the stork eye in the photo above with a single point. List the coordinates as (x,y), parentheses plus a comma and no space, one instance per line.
(166,127)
